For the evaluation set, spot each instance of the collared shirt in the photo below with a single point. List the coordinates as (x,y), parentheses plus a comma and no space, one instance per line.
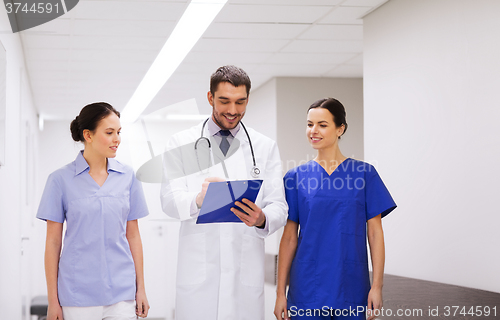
(214,130)
(96,266)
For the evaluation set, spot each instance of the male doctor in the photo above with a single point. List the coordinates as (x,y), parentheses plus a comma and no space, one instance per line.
(220,271)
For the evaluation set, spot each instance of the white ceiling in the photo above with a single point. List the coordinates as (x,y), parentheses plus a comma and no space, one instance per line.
(100,50)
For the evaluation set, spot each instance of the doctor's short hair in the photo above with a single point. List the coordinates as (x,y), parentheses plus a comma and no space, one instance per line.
(232,74)
(335,107)
(89,118)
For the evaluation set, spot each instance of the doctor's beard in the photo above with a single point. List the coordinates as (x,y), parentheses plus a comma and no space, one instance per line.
(220,119)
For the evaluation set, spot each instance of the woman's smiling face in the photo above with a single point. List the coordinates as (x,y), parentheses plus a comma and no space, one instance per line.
(321,129)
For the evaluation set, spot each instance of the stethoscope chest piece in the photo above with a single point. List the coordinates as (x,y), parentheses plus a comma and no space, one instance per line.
(255,172)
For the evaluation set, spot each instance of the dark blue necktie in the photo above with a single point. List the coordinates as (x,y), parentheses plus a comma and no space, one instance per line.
(224,144)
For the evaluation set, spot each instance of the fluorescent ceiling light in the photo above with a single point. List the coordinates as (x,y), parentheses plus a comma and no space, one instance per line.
(193,23)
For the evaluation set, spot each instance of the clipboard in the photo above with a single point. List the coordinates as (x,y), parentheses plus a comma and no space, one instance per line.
(220,198)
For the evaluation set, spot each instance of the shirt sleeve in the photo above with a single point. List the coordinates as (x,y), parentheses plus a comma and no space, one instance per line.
(177,200)
(273,202)
(138,206)
(377,197)
(51,205)
(291,195)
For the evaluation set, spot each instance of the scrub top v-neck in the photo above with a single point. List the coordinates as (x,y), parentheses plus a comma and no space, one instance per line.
(330,267)
(96,266)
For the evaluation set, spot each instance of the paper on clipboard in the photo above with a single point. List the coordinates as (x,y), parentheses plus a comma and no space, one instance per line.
(220,198)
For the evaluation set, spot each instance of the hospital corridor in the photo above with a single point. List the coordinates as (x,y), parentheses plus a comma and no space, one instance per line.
(167,159)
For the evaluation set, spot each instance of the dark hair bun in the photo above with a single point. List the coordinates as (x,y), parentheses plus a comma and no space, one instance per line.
(89,118)
(75,130)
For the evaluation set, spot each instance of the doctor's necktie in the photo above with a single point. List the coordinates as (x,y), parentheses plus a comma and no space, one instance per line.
(224,144)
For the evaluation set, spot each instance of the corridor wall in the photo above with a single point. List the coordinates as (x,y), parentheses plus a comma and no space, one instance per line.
(431,80)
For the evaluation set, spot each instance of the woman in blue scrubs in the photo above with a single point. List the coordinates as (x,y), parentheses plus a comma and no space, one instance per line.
(337,202)
(100,271)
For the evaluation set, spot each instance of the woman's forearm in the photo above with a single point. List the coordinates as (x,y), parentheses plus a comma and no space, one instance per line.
(53,246)
(135,243)
(288,246)
(377,250)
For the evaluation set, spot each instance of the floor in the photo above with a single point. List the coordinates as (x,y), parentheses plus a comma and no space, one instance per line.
(418,299)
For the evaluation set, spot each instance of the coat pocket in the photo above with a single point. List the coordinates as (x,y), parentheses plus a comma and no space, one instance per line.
(252,261)
(192,266)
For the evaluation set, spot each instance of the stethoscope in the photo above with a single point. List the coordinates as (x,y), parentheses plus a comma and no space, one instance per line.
(254,172)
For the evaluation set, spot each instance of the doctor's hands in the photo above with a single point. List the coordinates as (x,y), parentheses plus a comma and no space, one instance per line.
(250,213)
(204,187)
(280,308)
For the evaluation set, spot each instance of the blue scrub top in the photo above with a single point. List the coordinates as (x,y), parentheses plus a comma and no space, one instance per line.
(96,266)
(330,267)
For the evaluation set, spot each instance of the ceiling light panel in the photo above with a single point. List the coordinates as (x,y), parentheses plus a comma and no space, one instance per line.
(295,70)
(53,41)
(46,66)
(128,10)
(346,15)
(128,43)
(109,66)
(201,69)
(56,26)
(333,32)
(346,71)
(364,3)
(222,58)
(105,56)
(271,14)
(237,46)
(48,54)
(132,28)
(319,46)
(254,30)
(310,58)
(288,2)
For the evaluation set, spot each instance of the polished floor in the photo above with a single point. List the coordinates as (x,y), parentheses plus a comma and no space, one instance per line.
(418,299)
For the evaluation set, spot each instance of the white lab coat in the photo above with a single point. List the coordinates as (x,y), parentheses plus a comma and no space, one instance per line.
(220,271)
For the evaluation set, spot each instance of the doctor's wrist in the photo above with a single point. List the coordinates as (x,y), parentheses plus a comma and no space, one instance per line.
(198,200)
(262,225)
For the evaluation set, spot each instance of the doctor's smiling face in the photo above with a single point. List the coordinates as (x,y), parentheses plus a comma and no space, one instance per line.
(229,104)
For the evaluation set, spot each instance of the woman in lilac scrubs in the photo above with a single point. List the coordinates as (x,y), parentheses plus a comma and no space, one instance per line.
(100,271)
(337,202)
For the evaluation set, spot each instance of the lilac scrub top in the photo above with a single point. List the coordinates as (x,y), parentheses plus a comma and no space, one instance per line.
(330,267)
(96,266)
